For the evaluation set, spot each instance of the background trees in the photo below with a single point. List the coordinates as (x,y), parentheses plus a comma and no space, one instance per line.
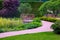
(29,0)
(25,8)
(1,4)
(52,5)
(9,8)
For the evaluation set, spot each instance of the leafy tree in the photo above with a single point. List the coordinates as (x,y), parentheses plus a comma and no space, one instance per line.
(25,8)
(52,5)
(29,0)
(54,0)
(9,8)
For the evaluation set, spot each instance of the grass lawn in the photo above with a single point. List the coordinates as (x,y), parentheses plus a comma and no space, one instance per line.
(36,36)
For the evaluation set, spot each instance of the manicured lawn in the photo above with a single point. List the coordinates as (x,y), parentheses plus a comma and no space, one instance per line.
(36,36)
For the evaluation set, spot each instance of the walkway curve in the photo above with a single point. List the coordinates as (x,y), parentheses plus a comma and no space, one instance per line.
(45,28)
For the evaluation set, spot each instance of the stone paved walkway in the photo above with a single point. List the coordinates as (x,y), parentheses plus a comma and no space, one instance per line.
(44,28)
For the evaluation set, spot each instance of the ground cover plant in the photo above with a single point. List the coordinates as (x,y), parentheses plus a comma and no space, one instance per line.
(35,36)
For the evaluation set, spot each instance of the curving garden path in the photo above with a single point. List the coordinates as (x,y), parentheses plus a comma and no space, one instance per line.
(45,27)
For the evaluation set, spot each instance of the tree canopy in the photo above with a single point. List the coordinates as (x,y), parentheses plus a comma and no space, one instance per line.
(29,0)
(25,8)
(52,5)
(9,8)
(1,6)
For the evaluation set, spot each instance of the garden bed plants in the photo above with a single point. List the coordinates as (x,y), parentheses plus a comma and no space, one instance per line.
(34,24)
(15,24)
(50,19)
(10,24)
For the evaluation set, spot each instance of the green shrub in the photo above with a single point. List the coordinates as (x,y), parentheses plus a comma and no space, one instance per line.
(56,27)
(48,19)
(36,20)
(1,30)
(34,24)
(31,25)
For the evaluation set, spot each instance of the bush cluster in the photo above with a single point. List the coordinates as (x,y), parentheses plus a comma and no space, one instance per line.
(10,24)
(56,27)
(34,24)
(50,19)
(15,24)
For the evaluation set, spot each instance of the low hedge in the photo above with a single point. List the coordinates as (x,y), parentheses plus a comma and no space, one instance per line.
(50,19)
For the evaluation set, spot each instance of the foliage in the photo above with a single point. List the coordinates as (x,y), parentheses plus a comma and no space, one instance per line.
(1,6)
(9,8)
(29,0)
(58,15)
(36,20)
(56,27)
(35,7)
(10,24)
(53,6)
(34,24)
(1,30)
(25,8)
(48,19)
(14,24)
(42,8)
(31,25)
(54,0)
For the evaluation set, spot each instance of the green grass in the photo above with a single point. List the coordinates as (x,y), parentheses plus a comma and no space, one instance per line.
(36,36)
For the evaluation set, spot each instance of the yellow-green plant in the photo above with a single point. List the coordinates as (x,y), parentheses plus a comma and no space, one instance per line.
(8,24)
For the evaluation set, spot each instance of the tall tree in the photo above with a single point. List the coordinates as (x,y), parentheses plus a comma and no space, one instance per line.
(52,5)
(25,8)
(9,8)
